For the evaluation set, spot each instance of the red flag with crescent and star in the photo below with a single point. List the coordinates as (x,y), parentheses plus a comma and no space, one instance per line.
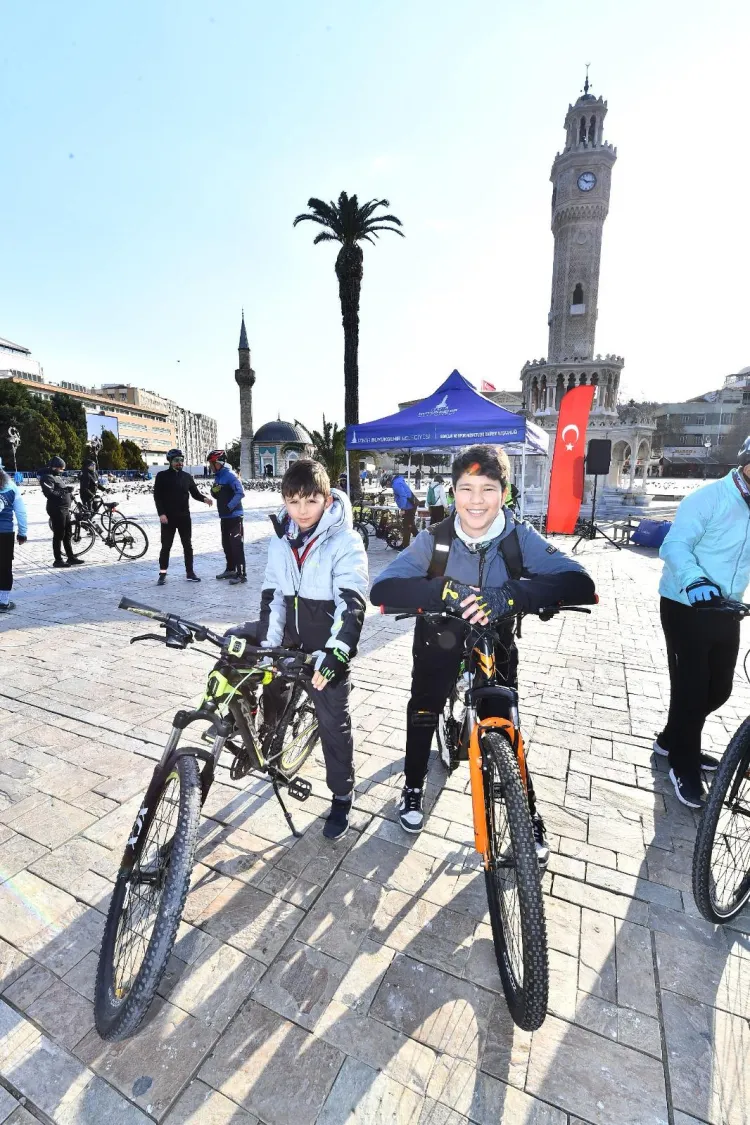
(566,479)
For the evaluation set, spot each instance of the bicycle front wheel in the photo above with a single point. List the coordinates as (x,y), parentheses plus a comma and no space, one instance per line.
(147,905)
(296,734)
(514,886)
(129,539)
(721,858)
(82,538)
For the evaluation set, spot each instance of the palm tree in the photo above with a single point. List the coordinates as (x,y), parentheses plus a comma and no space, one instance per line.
(349,223)
(330,447)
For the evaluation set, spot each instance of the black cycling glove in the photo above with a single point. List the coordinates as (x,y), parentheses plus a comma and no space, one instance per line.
(494,601)
(332,664)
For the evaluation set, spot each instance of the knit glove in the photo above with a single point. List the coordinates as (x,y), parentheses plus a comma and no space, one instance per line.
(494,601)
(702,590)
(332,664)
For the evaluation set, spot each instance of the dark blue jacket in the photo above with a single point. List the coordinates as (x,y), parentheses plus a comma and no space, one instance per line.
(227,491)
(402,494)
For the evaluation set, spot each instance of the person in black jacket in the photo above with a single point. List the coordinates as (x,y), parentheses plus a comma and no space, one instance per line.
(89,483)
(59,497)
(173,488)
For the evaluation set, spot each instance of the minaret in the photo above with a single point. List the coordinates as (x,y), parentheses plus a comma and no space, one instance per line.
(581,178)
(245,378)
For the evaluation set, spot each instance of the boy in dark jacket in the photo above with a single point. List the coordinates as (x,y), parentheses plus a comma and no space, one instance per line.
(476,575)
(313,598)
(59,498)
(173,488)
(228,491)
(89,484)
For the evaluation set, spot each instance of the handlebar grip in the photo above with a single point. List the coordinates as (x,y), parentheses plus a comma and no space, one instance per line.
(142,610)
(390,609)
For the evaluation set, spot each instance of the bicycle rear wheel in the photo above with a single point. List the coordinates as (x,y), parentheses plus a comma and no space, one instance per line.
(129,539)
(82,538)
(296,734)
(721,858)
(147,905)
(514,886)
(363,534)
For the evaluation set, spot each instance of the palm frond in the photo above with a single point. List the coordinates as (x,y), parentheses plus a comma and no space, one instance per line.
(387,219)
(311,218)
(393,230)
(324,236)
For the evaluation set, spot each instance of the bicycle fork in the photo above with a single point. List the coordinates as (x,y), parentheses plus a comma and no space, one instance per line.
(476,772)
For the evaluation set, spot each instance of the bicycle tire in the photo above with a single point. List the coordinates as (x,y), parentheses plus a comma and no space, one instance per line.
(736,758)
(117,1018)
(132,530)
(395,539)
(526,995)
(82,538)
(363,534)
(304,738)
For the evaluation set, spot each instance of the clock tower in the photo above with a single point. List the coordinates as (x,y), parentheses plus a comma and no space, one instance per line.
(581,179)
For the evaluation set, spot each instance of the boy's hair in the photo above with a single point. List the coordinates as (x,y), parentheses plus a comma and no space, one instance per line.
(305,478)
(483,461)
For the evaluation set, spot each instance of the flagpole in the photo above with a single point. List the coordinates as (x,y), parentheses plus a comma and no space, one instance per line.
(523,475)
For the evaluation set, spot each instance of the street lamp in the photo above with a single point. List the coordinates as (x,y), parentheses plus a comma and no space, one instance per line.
(14,440)
(707,447)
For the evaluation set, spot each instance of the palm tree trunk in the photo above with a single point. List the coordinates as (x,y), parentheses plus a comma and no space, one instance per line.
(349,272)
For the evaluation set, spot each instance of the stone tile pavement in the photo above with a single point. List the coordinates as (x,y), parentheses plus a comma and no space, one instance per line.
(354,982)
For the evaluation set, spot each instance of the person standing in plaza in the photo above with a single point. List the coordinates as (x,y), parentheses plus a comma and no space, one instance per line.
(706,557)
(406,501)
(11,506)
(59,496)
(89,483)
(228,492)
(173,488)
(437,501)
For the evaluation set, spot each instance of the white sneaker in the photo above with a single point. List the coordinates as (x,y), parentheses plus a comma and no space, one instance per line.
(410,812)
(708,761)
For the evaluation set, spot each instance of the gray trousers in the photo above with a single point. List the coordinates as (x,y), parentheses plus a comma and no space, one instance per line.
(335,724)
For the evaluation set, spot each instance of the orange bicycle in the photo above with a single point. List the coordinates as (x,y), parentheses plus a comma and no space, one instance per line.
(481,723)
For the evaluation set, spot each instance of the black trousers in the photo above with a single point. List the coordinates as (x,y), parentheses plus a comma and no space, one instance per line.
(437,653)
(409,524)
(183,525)
(233,543)
(7,547)
(335,725)
(702,647)
(437,513)
(62,530)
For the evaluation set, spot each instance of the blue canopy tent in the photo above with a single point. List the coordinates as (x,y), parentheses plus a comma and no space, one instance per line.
(454,415)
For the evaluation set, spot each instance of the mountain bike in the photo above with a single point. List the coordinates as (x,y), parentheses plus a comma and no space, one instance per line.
(481,724)
(154,875)
(103,521)
(721,857)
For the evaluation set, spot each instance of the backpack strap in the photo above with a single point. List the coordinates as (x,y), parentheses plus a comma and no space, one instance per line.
(444,533)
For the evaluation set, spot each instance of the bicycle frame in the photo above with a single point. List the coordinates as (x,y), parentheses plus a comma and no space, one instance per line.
(482,669)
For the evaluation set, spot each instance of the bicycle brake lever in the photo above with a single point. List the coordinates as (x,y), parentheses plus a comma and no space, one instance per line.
(146,637)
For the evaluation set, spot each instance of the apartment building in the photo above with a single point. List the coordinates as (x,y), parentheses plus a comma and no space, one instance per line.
(195,433)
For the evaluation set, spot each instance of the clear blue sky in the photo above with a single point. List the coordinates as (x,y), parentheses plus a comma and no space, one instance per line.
(155,154)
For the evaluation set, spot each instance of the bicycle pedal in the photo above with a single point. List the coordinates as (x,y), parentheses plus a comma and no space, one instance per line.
(299,788)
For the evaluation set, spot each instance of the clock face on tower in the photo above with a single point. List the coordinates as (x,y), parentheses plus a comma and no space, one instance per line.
(586,181)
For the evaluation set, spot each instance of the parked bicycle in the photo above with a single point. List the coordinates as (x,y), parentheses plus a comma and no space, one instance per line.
(154,875)
(503,835)
(721,858)
(103,521)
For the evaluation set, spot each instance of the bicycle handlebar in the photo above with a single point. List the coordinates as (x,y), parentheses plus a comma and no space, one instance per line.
(545,613)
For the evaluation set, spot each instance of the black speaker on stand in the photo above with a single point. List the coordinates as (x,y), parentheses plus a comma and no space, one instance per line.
(598,460)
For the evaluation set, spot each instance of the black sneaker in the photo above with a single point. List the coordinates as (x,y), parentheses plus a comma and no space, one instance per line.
(60,563)
(540,841)
(161,580)
(76,562)
(708,761)
(337,821)
(192,576)
(238,580)
(227,574)
(6,607)
(410,810)
(690,793)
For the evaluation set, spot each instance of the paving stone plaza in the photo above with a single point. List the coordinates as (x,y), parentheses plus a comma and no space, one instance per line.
(322,984)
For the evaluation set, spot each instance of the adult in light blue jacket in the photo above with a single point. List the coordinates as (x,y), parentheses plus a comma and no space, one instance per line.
(11,507)
(706,557)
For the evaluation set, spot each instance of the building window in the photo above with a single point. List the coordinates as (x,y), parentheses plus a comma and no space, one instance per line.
(582,131)
(578,294)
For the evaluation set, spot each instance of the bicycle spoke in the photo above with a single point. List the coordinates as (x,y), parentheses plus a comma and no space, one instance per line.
(730,854)
(504,875)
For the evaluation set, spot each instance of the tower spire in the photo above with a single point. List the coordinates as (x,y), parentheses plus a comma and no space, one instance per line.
(244,346)
(587,84)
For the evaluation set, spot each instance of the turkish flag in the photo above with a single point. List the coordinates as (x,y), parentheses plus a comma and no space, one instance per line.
(488,386)
(566,480)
